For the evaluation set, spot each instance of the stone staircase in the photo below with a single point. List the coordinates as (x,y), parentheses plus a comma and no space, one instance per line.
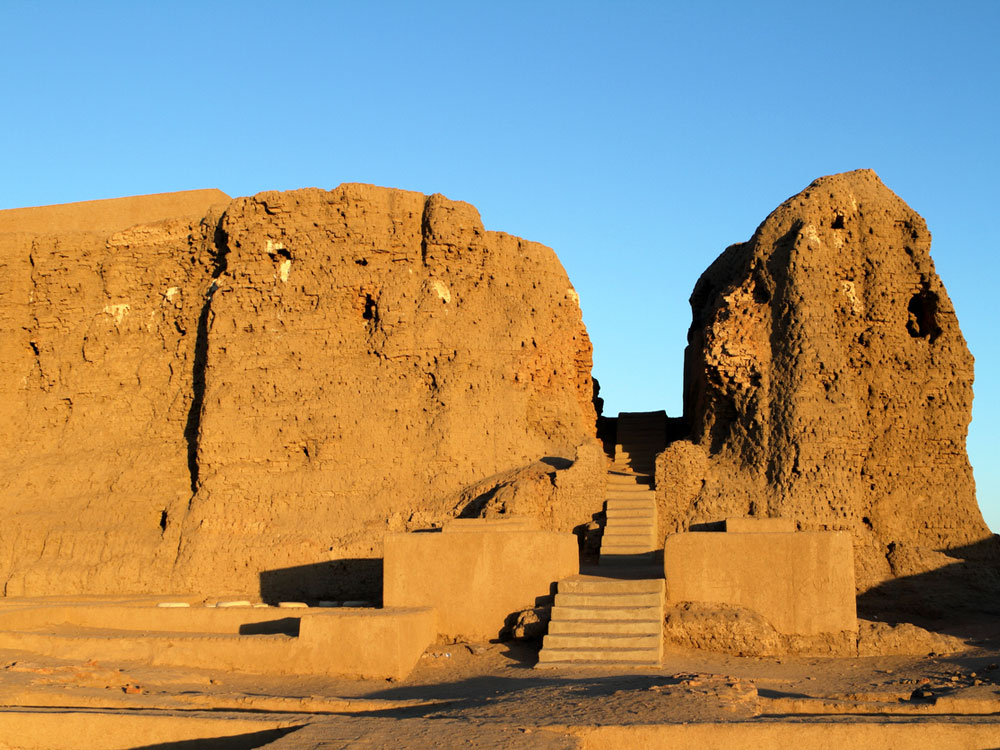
(630,529)
(630,533)
(613,616)
(605,621)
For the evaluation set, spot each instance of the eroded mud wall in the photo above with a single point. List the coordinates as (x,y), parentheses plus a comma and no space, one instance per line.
(229,397)
(827,381)
(370,351)
(97,334)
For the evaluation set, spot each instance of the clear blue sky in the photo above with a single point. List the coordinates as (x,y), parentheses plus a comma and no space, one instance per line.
(637,139)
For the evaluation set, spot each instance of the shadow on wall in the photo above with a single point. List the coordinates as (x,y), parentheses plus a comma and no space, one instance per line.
(943,598)
(349,579)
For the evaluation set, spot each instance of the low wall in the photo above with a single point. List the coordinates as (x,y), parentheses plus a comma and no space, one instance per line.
(802,583)
(475,578)
(813,735)
(363,643)
(148,617)
(72,730)
(371,643)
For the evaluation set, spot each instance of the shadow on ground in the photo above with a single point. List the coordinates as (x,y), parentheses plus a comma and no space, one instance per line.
(960,599)
(248,741)
(477,692)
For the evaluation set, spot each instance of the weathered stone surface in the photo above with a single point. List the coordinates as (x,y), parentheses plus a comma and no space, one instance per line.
(251,396)
(97,333)
(801,582)
(743,632)
(558,492)
(886,639)
(827,381)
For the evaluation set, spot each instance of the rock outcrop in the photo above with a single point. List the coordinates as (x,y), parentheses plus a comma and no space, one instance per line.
(827,381)
(245,395)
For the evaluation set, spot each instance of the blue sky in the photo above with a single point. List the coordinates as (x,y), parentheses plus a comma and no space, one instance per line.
(637,139)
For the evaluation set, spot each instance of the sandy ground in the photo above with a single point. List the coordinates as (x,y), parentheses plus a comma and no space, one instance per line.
(488,695)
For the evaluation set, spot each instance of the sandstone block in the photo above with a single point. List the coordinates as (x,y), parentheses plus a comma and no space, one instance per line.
(802,583)
(475,580)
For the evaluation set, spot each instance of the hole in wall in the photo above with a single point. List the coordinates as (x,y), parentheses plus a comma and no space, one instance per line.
(761,294)
(922,309)
(838,222)
(371,310)
(163,521)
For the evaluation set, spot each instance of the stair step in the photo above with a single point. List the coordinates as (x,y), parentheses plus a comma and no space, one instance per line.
(639,491)
(630,509)
(631,515)
(634,511)
(628,482)
(633,500)
(600,654)
(602,641)
(618,526)
(631,527)
(618,517)
(631,550)
(630,627)
(607,613)
(622,599)
(626,559)
(602,666)
(594,585)
(623,540)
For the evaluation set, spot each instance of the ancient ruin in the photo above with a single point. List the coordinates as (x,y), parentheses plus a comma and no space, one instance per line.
(243,397)
(313,443)
(827,382)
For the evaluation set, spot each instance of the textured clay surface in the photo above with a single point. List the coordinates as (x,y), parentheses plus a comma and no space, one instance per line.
(244,396)
(827,381)
(98,318)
